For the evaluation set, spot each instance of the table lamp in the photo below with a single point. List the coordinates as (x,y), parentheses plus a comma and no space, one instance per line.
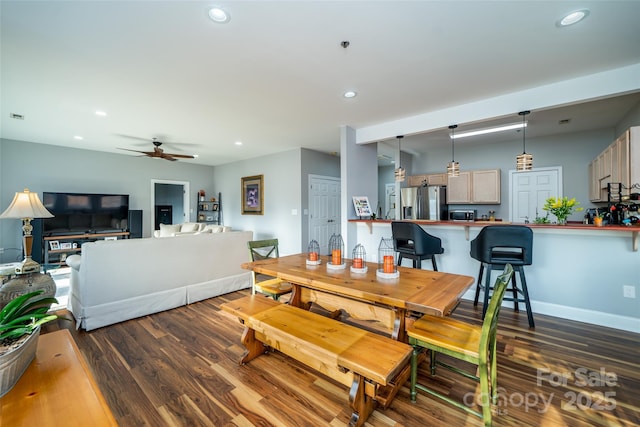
(26,206)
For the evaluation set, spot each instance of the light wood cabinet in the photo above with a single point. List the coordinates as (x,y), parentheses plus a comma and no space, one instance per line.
(474,187)
(459,188)
(485,186)
(614,164)
(431,179)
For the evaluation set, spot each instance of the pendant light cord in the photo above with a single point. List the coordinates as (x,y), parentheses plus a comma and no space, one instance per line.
(453,139)
(524,131)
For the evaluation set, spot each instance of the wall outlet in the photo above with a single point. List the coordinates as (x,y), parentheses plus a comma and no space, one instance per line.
(629,291)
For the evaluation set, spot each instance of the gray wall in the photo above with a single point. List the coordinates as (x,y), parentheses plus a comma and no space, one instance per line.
(314,163)
(171,195)
(42,167)
(282,179)
(572,151)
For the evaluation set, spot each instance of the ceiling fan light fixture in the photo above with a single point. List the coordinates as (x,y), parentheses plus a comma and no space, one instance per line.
(524,161)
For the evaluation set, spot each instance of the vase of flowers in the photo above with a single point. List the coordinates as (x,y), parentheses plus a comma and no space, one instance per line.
(561,207)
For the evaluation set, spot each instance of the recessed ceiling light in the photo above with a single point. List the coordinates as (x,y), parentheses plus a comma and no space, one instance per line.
(238,142)
(350,94)
(78,137)
(218,15)
(573,17)
(101,113)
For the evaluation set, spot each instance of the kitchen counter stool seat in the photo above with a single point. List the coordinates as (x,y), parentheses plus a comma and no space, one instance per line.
(413,242)
(498,245)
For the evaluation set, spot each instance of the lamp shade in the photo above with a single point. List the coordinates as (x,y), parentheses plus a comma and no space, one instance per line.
(26,205)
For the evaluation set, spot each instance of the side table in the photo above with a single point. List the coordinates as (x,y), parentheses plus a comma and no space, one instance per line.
(57,389)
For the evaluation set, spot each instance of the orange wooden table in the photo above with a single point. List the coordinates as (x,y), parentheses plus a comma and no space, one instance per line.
(57,389)
(381,304)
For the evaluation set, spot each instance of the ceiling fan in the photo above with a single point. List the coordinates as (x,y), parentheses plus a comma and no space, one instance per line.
(158,153)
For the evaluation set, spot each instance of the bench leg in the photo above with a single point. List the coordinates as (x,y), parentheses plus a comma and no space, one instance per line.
(361,404)
(254,347)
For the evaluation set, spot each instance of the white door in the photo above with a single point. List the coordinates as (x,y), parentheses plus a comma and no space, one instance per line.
(529,190)
(324,210)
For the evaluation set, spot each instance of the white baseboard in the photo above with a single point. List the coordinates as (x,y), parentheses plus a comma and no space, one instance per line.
(609,320)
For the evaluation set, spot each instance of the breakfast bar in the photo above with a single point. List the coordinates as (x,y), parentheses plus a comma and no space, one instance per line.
(579,272)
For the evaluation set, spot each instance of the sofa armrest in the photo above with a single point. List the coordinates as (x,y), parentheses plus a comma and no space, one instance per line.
(74,261)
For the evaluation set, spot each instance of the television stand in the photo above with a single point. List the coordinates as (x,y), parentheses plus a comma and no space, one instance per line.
(58,246)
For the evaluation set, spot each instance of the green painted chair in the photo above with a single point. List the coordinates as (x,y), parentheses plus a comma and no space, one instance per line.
(461,340)
(273,287)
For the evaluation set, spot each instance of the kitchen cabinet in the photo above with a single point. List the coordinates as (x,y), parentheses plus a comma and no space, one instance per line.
(619,162)
(431,179)
(474,187)
(459,188)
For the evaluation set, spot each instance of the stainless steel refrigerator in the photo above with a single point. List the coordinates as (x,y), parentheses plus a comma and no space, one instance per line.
(424,202)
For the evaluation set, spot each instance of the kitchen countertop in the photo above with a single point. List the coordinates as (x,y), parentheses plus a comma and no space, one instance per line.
(570,225)
(576,226)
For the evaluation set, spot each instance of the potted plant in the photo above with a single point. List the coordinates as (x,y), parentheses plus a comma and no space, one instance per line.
(20,322)
(561,207)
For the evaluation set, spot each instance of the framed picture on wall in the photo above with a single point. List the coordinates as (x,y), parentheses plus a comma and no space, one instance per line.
(252,195)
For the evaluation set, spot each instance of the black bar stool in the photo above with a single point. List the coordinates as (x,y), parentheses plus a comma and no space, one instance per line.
(411,241)
(498,245)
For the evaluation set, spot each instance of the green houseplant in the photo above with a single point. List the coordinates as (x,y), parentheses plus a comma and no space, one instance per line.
(20,322)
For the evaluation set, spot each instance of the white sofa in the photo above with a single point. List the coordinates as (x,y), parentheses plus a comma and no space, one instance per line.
(172,230)
(113,281)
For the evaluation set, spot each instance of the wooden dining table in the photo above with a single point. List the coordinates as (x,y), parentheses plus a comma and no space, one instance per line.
(365,299)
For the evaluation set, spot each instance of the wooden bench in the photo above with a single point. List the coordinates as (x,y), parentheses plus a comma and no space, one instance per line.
(369,364)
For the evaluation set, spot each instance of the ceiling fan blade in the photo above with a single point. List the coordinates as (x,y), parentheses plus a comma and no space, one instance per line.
(180,156)
(146,153)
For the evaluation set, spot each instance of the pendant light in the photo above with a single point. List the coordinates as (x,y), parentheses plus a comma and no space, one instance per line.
(524,161)
(453,168)
(400,172)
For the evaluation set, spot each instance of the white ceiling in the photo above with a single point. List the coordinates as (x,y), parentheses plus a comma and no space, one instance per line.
(273,77)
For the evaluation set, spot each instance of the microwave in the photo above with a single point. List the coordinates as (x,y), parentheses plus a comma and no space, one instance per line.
(463,215)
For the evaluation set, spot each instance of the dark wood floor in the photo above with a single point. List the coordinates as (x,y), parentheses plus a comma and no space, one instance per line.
(179,368)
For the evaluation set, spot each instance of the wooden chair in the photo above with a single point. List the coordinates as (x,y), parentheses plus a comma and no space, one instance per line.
(464,341)
(274,287)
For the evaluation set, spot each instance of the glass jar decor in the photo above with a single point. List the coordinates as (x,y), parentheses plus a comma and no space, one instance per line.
(387,268)
(358,259)
(336,251)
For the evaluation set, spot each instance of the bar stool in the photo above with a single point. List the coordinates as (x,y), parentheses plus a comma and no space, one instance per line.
(411,241)
(498,245)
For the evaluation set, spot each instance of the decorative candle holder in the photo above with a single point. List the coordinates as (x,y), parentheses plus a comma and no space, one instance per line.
(387,268)
(358,260)
(336,250)
(313,253)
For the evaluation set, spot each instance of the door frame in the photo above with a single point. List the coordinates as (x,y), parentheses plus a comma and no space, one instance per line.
(185,200)
(311,178)
(512,174)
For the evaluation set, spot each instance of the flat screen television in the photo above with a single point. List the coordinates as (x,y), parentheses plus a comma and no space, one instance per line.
(85,213)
